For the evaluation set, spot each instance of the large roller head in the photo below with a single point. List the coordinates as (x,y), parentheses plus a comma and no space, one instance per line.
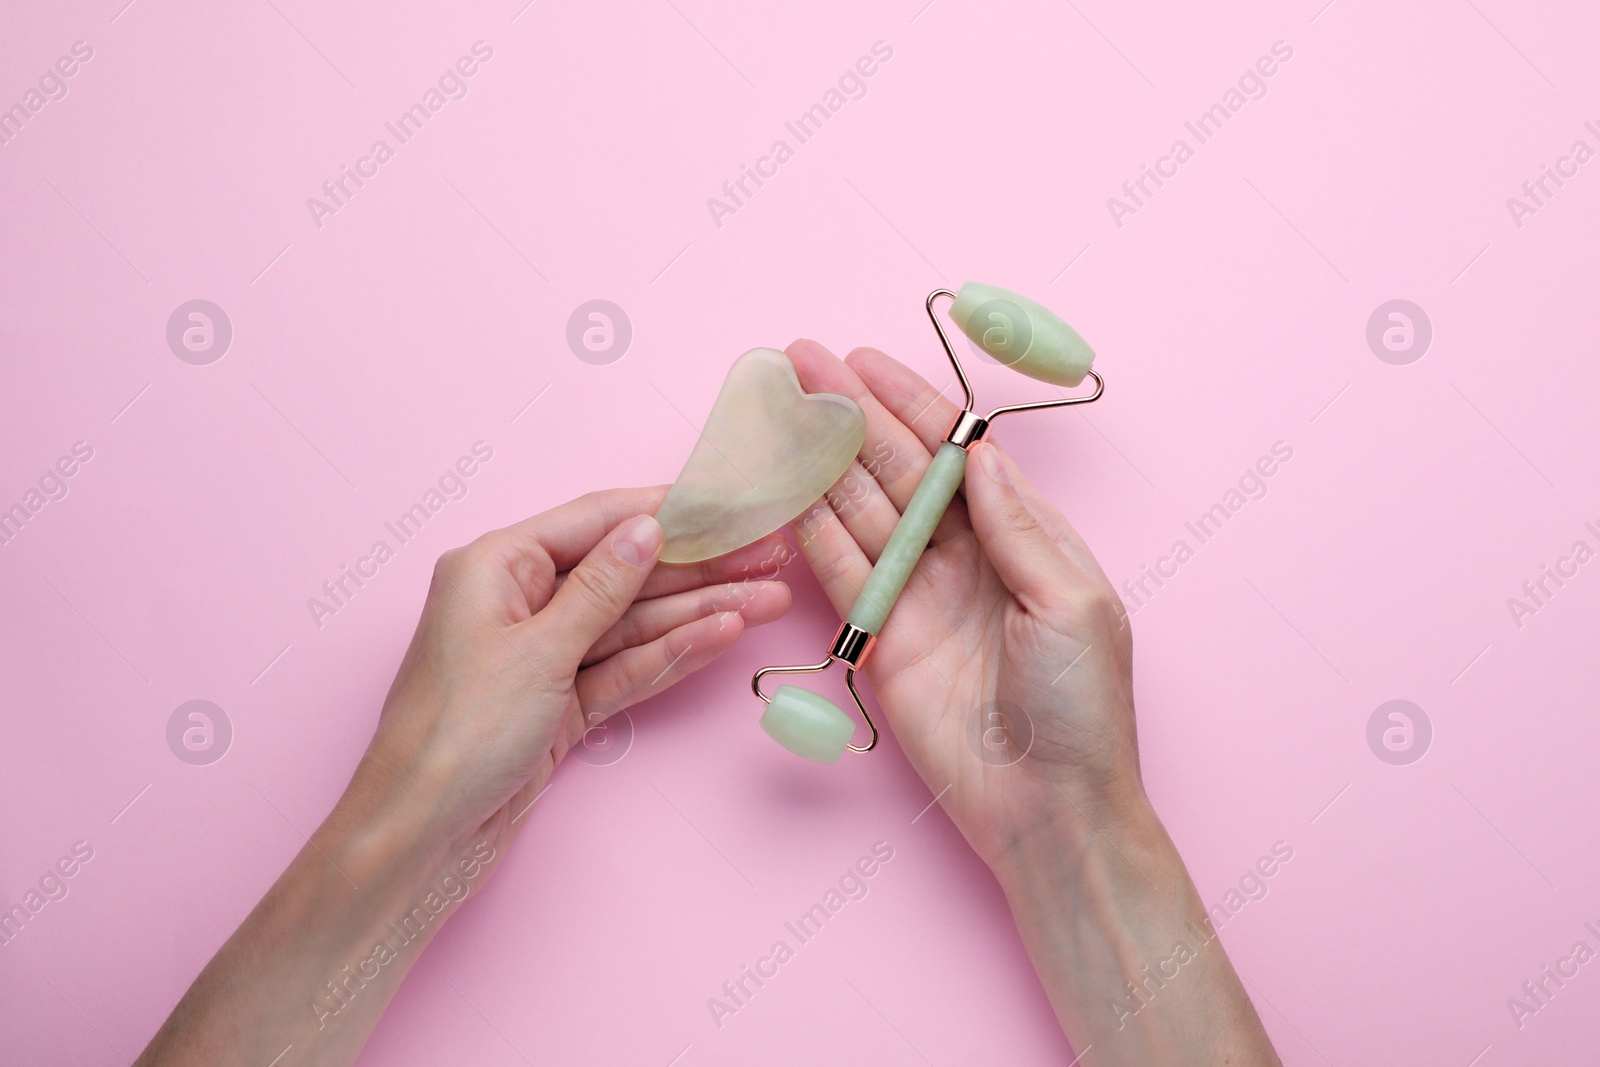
(1021,334)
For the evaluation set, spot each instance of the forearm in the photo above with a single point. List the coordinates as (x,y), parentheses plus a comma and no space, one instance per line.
(317,960)
(1123,945)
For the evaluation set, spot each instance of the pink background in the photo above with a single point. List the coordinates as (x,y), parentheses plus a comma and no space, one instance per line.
(1229,313)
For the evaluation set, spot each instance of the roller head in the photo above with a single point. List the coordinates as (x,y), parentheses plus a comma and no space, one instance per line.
(807,724)
(1021,334)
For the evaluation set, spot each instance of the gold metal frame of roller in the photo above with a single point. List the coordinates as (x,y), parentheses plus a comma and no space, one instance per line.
(851,643)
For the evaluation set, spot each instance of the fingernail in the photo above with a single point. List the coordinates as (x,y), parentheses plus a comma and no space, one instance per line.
(993,469)
(638,540)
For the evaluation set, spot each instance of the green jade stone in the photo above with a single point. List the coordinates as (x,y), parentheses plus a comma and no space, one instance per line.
(1025,336)
(807,724)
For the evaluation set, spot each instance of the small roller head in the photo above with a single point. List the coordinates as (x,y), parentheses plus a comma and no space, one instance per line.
(807,724)
(1021,334)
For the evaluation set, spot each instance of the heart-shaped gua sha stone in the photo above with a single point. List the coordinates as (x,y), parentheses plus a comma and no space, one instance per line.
(768,452)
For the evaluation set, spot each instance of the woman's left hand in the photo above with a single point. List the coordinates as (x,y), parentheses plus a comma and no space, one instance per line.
(532,635)
(529,637)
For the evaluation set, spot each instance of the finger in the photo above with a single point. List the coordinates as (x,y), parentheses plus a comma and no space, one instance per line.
(760,561)
(906,395)
(1024,553)
(636,673)
(864,509)
(565,534)
(570,532)
(891,452)
(508,574)
(599,589)
(834,556)
(756,602)
(1050,517)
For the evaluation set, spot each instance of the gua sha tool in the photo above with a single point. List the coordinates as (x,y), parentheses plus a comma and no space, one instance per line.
(768,452)
(1023,336)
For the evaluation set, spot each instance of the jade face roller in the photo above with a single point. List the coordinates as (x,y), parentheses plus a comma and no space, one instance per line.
(1025,337)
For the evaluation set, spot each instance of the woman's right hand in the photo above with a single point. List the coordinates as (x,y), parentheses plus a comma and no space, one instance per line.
(1005,668)
(1006,673)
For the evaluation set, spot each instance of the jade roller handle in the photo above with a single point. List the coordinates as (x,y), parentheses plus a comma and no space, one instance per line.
(910,538)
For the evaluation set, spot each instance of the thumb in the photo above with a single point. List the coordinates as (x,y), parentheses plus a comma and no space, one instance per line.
(601,587)
(1023,552)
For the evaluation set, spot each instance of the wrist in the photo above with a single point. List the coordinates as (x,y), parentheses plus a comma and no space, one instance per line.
(393,836)
(389,869)
(1077,849)
(1049,821)
(396,811)
(1123,947)
(321,954)
(1098,903)
(372,890)
(374,857)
